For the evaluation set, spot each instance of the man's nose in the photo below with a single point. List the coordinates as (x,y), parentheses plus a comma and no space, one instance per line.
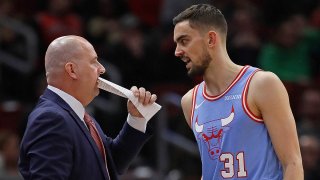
(178,52)
(102,70)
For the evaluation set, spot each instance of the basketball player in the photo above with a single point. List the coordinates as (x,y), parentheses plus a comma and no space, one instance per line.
(240,115)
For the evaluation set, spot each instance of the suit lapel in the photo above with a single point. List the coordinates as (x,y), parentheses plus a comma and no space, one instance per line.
(48,94)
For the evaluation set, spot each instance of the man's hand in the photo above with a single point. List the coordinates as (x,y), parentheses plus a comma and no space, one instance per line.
(145,97)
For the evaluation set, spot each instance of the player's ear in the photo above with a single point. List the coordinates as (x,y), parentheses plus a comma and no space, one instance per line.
(71,69)
(212,38)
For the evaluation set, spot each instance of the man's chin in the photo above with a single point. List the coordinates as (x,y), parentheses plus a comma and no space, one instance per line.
(192,73)
(195,72)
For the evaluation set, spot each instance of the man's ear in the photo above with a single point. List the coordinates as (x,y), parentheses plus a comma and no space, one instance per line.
(71,69)
(212,38)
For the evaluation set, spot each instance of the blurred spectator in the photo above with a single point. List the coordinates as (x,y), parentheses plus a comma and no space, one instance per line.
(109,9)
(244,41)
(315,16)
(10,41)
(11,113)
(11,8)
(9,152)
(18,54)
(18,51)
(57,20)
(103,32)
(146,11)
(288,54)
(6,7)
(308,116)
(310,152)
(170,8)
(127,48)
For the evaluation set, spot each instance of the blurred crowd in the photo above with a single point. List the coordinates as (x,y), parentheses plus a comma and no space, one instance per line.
(134,41)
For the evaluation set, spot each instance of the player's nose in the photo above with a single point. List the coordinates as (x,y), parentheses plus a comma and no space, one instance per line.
(178,52)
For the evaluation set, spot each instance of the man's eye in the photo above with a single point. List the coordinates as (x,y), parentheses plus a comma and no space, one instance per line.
(183,41)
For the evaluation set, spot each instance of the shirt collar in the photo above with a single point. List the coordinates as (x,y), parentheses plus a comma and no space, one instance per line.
(75,105)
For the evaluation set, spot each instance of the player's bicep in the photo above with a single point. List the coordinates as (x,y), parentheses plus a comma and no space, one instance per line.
(272,100)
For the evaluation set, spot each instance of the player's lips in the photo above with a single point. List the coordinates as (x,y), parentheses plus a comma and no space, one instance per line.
(188,65)
(187,61)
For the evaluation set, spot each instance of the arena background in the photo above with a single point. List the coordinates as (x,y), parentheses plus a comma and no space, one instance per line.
(134,41)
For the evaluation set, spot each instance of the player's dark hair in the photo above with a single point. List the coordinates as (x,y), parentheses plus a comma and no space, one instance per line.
(203,16)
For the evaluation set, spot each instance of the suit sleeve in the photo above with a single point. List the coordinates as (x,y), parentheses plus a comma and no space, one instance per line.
(46,149)
(126,146)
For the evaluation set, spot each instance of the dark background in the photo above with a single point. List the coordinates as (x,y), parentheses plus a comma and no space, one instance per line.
(134,41)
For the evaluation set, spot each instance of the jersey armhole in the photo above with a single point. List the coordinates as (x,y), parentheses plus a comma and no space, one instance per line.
(245,102)
(194,95)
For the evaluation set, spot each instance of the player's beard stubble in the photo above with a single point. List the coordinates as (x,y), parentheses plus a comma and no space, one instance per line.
(199,69)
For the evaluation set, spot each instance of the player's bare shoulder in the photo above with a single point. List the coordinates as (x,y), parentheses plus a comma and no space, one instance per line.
(266,88)
(186,104)
(265,82)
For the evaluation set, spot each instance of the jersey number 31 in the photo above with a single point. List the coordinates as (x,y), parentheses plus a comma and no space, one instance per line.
(229,166)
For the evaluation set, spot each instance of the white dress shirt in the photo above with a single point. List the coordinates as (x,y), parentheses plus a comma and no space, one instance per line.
(135,122)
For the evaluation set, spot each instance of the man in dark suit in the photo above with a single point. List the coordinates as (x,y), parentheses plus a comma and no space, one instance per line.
(61,140)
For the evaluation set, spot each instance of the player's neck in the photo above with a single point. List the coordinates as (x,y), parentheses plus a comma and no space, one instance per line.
(219,76)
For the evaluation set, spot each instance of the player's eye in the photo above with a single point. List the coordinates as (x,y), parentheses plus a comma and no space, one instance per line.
(183,42)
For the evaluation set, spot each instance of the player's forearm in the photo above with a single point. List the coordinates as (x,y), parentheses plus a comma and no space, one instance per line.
(293,171)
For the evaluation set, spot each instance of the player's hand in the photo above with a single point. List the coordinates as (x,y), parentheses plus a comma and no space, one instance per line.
(145,98)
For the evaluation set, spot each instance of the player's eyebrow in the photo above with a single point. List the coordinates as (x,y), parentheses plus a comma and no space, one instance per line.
(179,38)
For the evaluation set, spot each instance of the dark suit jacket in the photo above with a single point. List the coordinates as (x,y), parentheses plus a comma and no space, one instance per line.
(57,145)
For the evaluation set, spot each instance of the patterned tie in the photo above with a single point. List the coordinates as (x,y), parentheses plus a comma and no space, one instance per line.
(95,135)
